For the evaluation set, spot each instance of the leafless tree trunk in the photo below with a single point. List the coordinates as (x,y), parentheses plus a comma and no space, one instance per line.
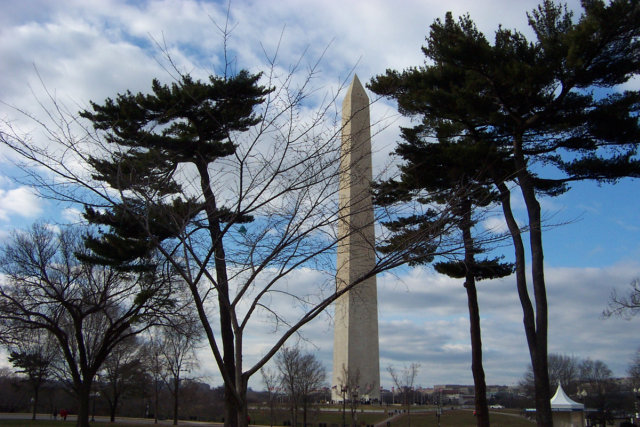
(271,381)
(300,375)
(118,374)
(404,382)
(177,344)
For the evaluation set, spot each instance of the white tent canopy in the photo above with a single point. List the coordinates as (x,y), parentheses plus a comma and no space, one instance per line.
(561,402)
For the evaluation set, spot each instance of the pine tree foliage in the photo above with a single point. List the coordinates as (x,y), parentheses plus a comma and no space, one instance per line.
(188,122)
(446,174)
(548,112)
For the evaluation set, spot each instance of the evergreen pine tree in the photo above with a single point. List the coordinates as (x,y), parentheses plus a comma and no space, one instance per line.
(551,107)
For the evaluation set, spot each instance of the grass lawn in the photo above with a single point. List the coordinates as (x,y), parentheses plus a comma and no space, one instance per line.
(459,418)
(454,418)
(262,417)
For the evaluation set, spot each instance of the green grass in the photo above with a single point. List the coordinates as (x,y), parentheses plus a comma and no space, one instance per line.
(459,418)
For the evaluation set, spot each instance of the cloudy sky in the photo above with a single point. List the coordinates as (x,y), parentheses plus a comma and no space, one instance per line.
(83,51)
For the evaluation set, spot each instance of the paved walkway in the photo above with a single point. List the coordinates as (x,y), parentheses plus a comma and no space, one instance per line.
(383,423)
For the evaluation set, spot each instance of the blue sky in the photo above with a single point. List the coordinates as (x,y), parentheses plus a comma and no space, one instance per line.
(90,50)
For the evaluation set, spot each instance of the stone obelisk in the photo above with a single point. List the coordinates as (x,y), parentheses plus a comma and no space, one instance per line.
(356,360)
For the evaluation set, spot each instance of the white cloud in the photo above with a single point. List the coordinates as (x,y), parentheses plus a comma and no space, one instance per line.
(495,224)
(423,318)
(71,215)
(21,201)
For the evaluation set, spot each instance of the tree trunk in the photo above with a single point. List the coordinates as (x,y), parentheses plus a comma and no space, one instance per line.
(539,353)
(232,408)
(242,413)
(294,414)
(84,392)
(113,406)
(271,410)
(304,411)
(481,407)
(35,402)
(176,387)
(112,409)
(542,418)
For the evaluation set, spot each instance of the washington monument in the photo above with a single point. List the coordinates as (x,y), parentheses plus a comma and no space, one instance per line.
(356,364)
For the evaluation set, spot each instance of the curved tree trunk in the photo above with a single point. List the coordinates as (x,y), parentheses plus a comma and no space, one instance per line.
(539,355)
(542,392)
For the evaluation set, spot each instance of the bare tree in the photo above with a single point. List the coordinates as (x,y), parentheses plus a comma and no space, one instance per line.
(119,373)
(32,352)
(176,345)
(626,305)
(563,369)
(271,382)
(599,389)
(404,381)
(89,309)
(155,363)
(300,375)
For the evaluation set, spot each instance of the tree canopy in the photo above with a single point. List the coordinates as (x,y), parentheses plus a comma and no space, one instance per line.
(551,110)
